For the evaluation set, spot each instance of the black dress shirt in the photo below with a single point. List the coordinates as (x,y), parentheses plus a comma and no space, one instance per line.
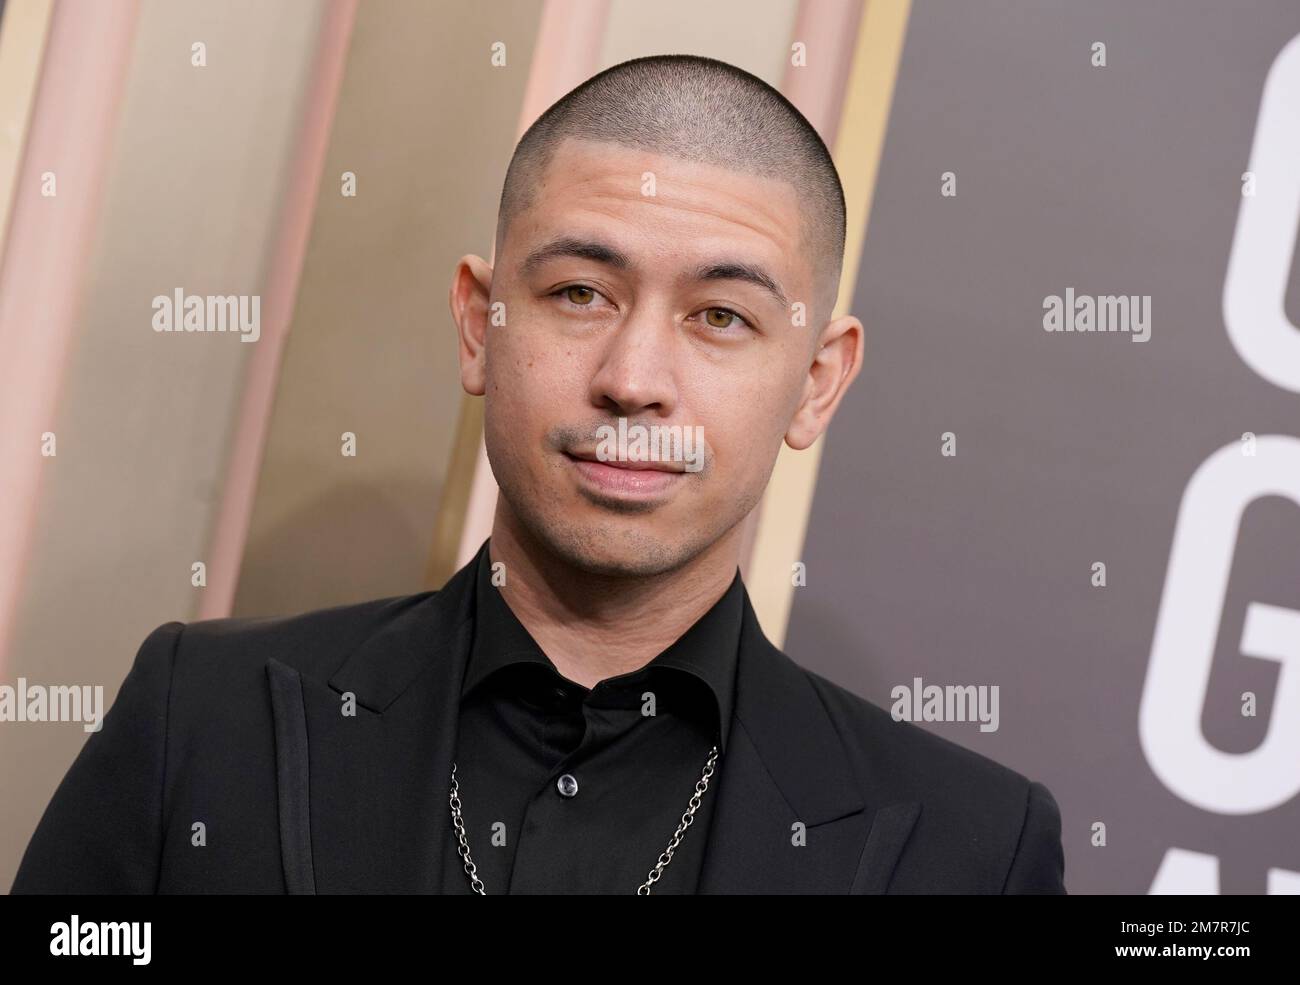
(566,789)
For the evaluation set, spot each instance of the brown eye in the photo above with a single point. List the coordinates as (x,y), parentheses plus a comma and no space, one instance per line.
(720,317)
(579,294)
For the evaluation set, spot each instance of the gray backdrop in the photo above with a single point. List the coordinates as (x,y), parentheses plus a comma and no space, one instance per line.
(1078,448)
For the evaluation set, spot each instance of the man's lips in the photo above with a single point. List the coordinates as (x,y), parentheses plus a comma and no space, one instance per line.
(633,481)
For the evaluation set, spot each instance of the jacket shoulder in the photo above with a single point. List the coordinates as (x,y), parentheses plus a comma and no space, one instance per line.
(923,762)
(977,815)
(314,643)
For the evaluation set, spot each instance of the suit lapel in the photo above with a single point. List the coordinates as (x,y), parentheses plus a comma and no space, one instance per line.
(375,797)
(786,766)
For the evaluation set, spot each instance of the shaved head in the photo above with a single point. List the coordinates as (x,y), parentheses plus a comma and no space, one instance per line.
(668,254)
(702,110)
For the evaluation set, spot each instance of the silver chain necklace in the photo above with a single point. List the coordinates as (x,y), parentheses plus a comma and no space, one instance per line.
(471,869)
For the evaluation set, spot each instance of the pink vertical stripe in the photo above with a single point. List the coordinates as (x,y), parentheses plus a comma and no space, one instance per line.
(829,29)
(302,186)
(44,266)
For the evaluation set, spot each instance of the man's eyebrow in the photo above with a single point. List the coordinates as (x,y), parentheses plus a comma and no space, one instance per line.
(585,249)
(735,270)
(568,246)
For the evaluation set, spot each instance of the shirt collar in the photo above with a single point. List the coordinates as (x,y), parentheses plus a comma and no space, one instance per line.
(708,650)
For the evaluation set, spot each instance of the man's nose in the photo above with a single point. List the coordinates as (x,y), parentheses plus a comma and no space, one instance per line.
(637,369)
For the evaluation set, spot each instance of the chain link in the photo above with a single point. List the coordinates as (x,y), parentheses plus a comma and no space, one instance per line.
(471,869)
(688,818)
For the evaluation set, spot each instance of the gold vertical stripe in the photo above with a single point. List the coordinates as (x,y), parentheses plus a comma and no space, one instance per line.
(860,139)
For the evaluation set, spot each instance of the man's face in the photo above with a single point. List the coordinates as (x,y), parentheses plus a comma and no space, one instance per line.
(637,329)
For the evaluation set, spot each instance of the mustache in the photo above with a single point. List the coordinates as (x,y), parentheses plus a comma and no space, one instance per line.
(574,438)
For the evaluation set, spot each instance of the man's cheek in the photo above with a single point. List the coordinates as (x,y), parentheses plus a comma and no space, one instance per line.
(514,368)
(559,376)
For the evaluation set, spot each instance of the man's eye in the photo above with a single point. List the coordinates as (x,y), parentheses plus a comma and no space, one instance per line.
(579,294)
(723,318)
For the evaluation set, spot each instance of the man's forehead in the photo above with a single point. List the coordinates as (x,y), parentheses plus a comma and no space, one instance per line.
(593,192)
(608,166)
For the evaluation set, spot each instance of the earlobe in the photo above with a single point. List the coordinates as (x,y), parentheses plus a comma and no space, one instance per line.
(802,432)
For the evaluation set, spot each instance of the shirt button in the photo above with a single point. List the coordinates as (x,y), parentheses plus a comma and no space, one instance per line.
(567,785)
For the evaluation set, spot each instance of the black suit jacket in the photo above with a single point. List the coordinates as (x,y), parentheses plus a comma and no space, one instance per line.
(230,732)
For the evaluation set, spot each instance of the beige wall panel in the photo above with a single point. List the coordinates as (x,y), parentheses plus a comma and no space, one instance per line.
(191,197)
(427,124)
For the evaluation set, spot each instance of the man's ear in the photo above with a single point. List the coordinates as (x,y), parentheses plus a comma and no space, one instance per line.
(471,291)
(834,366)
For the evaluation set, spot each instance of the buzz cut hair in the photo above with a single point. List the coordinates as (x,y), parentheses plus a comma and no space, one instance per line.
(696,109)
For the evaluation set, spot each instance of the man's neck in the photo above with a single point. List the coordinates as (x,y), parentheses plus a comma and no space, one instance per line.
(594,626)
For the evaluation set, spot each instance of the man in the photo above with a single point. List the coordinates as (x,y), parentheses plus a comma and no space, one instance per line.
(589,705)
